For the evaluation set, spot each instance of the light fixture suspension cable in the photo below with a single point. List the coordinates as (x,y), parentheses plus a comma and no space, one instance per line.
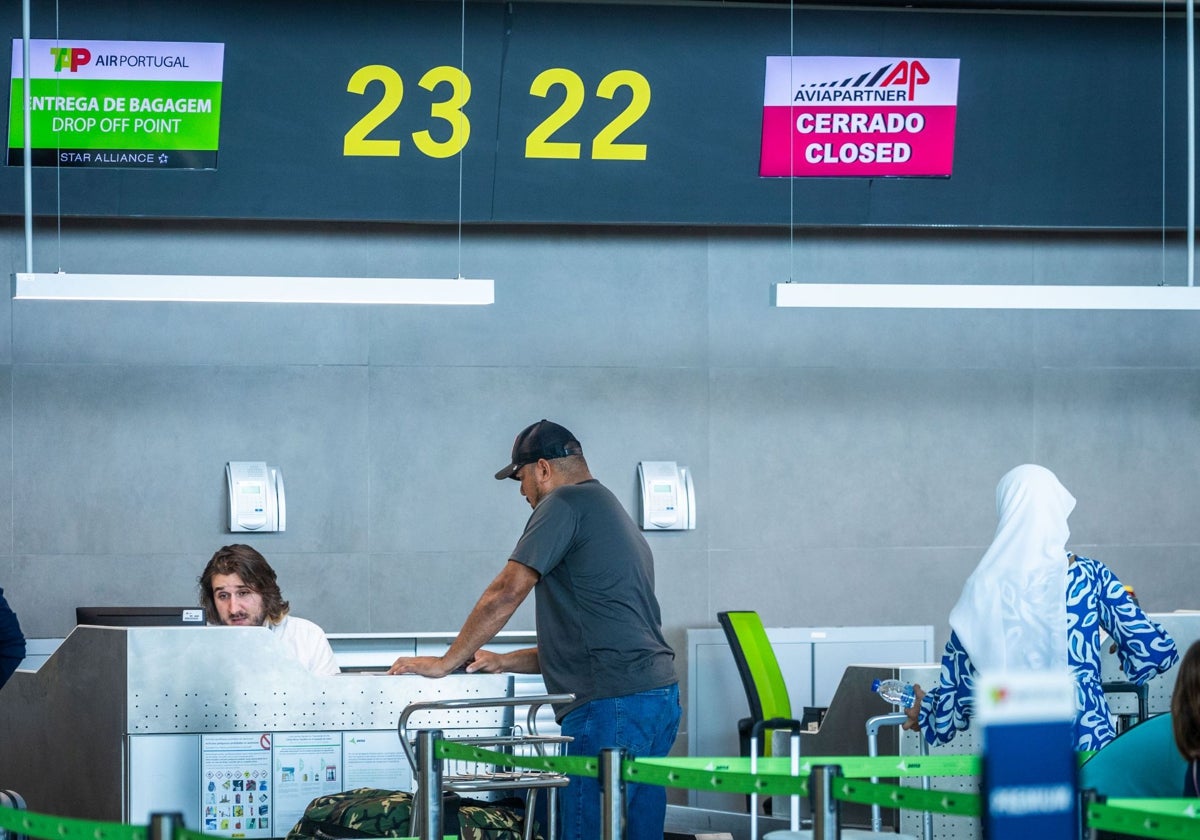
(58,151)
(28,165)
(1162,258)
(462,68)
(1191,141)
(791,140)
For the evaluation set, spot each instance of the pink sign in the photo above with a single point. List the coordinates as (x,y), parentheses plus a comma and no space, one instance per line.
(856,117)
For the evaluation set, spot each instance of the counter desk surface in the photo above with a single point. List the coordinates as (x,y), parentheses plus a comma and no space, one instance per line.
(119,723)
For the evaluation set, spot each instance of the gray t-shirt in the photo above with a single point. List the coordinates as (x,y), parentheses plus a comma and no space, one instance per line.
(599,626)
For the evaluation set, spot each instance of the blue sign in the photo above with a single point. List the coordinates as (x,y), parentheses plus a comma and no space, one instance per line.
(1030,769)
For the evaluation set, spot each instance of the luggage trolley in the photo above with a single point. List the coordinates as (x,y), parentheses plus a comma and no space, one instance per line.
(502,734)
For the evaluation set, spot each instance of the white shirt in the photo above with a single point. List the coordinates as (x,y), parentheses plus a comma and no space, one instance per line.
(306,643)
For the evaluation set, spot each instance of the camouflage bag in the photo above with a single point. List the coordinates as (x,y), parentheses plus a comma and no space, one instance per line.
(366,812)
(503,820)
(370,812)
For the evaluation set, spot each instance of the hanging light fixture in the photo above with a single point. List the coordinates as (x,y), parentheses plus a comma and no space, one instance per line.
(251,289)
(31,285)
(978,296)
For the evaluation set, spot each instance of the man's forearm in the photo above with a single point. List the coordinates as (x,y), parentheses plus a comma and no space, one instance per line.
(493,610)
(524,661)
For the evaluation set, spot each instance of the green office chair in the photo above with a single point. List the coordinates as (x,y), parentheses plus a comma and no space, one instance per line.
(761,678)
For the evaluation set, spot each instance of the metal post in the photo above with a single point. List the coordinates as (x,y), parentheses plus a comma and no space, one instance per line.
(826,810)
(612,795)
(1087,798)
(428,816)
(764,728)
(551,812)
(926,784)
(754,796)
(873,726)
(11,799)
(164,826)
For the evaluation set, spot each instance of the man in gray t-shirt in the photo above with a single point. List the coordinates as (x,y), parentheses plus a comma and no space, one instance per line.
(599,627)
(598,624)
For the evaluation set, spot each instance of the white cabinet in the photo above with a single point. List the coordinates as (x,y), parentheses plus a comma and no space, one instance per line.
(812,659)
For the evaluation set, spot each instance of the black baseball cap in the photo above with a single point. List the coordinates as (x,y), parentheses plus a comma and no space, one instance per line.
(541,440)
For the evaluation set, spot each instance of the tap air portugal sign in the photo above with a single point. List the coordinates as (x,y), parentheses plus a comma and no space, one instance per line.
(859,117)
(126,104)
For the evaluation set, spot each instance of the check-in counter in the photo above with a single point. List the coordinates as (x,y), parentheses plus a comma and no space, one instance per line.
(216,723)
(377,651)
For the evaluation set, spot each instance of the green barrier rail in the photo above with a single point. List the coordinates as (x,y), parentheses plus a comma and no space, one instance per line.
(730,775)
(1163,819)
(959,803)
(41,825)
(853,766)
(1158,819)
(50,828)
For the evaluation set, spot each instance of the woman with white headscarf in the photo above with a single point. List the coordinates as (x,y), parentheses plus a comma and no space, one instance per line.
(1032,605)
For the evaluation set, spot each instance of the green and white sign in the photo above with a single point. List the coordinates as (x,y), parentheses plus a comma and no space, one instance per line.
(125,104)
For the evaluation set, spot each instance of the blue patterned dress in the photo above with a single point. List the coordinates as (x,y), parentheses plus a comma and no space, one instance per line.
(1095,600)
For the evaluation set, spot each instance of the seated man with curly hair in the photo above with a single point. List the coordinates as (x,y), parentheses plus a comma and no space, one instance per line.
(238,588)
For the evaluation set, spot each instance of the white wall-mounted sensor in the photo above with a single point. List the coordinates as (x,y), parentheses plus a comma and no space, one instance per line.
(668,497)
(256,498)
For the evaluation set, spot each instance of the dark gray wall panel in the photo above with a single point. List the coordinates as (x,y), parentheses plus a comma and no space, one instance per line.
(433,590)
(1117,339)
(249,335)
(135,455)
(1124,445)
(810,586)
(6,450)
(683,582)
(567,298)
(51,586)
(459,424)
(863,458)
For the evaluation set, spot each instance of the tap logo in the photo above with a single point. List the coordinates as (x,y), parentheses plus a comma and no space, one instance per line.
(70,58)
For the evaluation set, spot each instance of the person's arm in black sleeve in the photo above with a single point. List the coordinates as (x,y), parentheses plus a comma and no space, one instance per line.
(12,641)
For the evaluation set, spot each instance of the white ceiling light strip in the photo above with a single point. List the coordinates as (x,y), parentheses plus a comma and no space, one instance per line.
(251,289)
(973,296)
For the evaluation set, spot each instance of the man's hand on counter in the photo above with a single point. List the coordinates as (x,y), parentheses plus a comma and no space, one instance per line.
(425,666)
(483,662)
(486,662)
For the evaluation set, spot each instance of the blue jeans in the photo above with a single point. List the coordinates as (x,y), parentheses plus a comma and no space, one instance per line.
(642,724)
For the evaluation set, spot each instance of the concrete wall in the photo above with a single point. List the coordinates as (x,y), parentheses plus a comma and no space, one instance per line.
(845,461)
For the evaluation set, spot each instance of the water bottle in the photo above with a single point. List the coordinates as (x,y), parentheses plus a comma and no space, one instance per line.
(895,692)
